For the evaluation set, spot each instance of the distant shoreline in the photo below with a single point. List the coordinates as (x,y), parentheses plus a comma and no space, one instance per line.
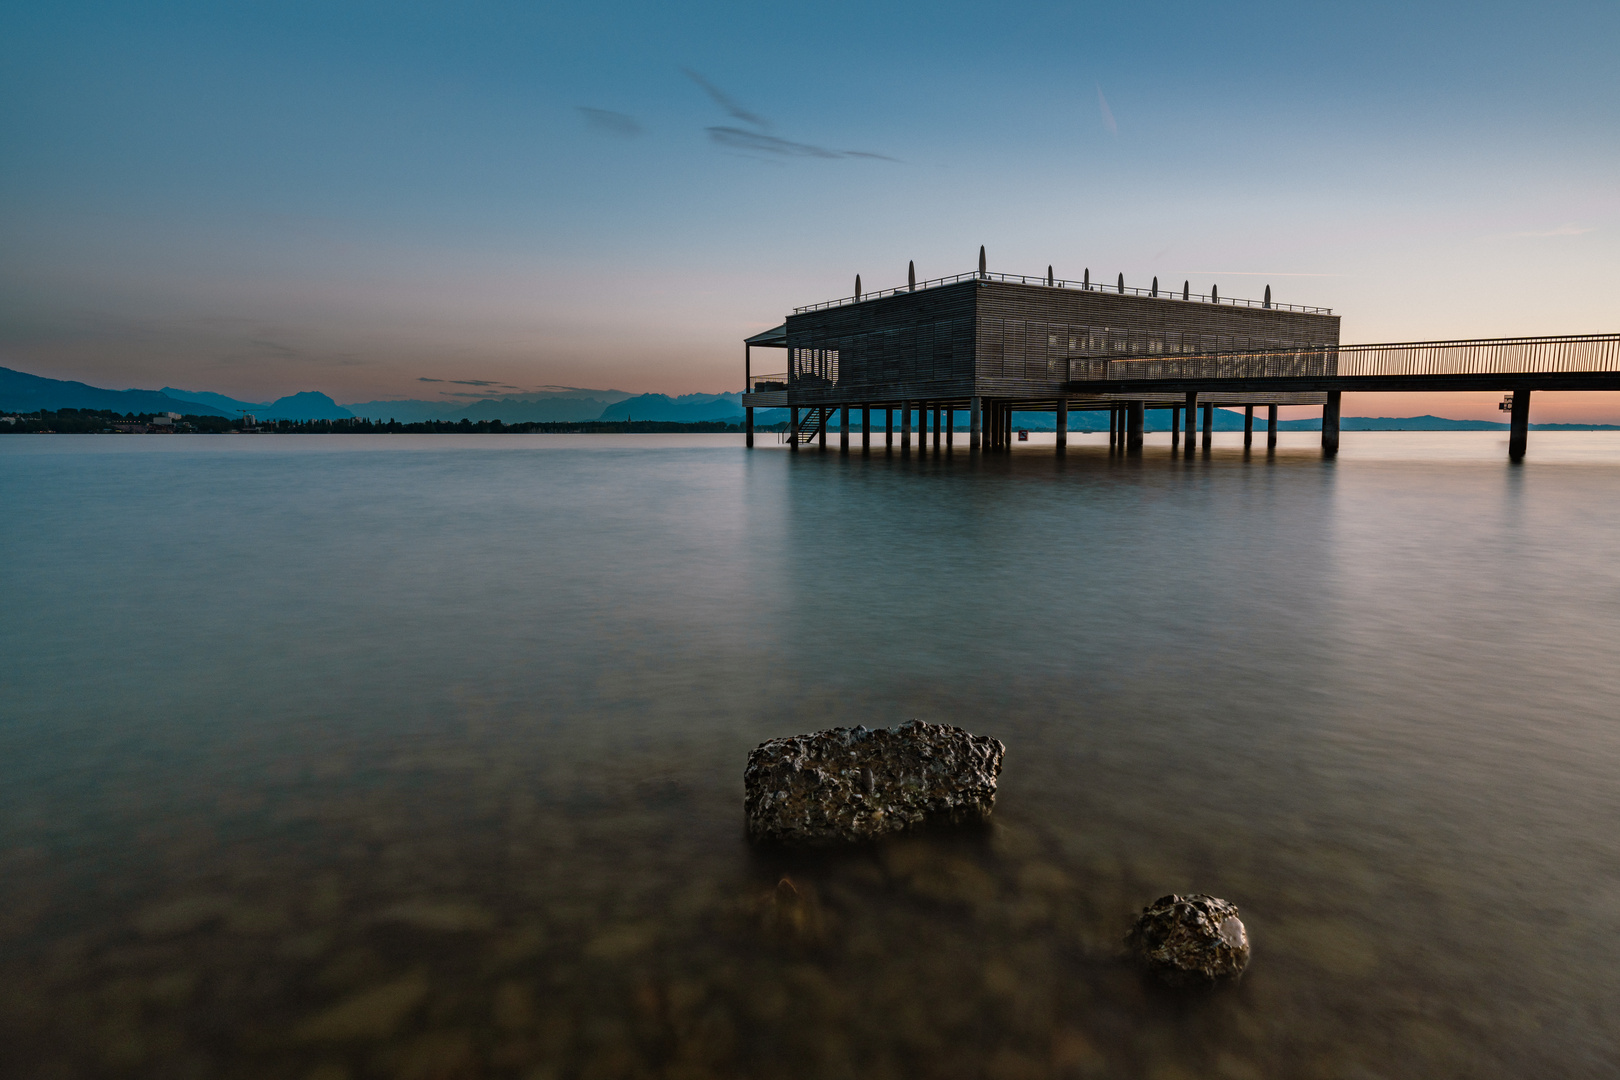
(96,422)
(104,421)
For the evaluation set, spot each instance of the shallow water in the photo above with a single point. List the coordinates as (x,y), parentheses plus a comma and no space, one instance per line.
(420,756)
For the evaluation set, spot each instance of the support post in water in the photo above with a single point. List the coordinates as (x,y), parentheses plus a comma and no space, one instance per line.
(1271,427)
(888,427)
(1519,425)
(1191,417)
(866,429)
(793,429)
(1209,424)
(950,426)
(975,410)
(1062,425)
(905,427)
(748,425)
(1175,427)
(1330,423)
(1248,426)
(821,433)
(843,431)
(1133,432)
(1113,428)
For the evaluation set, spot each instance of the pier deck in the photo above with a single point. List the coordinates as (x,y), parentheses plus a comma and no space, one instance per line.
(994,344)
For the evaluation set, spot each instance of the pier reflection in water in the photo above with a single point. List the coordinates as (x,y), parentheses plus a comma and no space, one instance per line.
(422,757)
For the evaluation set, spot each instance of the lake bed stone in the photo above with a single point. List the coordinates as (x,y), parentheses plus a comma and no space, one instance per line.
(1191,940)
(849,784)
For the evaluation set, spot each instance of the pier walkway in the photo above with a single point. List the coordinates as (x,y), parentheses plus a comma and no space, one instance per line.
(1513,365)
(995,344)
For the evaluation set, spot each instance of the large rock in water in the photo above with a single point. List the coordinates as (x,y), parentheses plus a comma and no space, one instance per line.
(856,783)
(1191,940)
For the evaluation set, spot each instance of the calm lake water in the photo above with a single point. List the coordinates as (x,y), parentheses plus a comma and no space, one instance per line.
(421,756)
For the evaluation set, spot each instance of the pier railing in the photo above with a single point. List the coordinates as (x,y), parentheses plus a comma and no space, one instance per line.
(1484,356)
(1059,283)
(762,383)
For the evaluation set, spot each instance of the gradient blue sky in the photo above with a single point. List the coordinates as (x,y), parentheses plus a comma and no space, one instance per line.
(261,198)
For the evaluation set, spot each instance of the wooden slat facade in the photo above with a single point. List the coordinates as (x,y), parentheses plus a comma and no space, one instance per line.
(1011,342)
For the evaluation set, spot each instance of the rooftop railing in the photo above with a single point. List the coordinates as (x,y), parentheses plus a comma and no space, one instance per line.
(1059,283)
(1480,356)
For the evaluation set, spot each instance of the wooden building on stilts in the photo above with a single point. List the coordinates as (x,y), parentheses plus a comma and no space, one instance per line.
(992,345)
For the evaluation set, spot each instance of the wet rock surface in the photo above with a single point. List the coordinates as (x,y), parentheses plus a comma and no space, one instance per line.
(1191,940)
(847,784)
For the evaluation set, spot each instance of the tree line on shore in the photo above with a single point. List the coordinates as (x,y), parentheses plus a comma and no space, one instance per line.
(91,421)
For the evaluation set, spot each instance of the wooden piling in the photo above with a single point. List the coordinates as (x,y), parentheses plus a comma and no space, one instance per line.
(1271,427)
(1175,428)
(1248,426)
(1134,413)
(975,410)
(1209,425)
(1330,423)
(748,425)
(1191,415)
(1062,425)
(1519,425)
(793,429)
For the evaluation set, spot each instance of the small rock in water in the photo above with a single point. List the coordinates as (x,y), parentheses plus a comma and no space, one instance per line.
(1190,940)
(856,783)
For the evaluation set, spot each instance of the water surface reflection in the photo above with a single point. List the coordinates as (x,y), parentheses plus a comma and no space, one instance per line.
(422,757)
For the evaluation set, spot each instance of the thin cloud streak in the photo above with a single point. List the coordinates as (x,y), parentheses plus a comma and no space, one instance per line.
(732,107)
(1107,113)
(610,122)
(738,139)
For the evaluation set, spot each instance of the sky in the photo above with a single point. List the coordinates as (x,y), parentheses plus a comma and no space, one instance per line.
(263,198)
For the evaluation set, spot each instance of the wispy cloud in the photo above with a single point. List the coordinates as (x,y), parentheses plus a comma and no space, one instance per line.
(726,101)
(1541,234)
(610,122)
(759,141)
(424,378)
(739,139)
(1107,113)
